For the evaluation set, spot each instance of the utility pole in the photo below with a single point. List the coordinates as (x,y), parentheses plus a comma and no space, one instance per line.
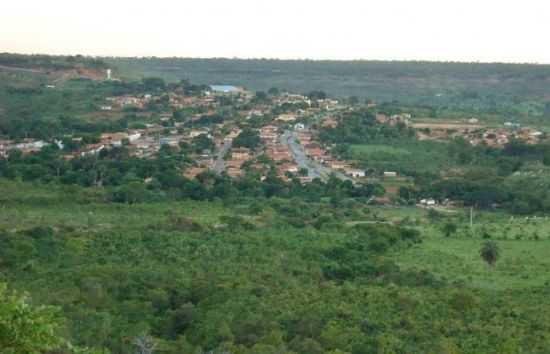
(471,217)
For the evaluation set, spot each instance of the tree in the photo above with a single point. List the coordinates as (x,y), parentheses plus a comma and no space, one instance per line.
(303,171)
(275,92)
(153,83)
(25,329)
(248,138)
(490,252)
(202,142)
(261,97)
(449,228)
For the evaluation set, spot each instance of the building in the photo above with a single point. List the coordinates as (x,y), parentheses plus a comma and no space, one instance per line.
(226,89)
(353,172)
(240,154)
(428,202)
(286,118)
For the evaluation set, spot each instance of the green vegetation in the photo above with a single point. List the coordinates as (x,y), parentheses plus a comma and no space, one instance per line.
(490,252)
(120,253)
(404,156)
(263,275)
(460,85)
(24,329)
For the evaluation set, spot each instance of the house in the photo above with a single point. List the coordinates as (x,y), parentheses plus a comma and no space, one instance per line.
(353,172)
(113,139)
(338,165)
(196,132)
(106,108)
(194,172)
(240,154)
(299,126)
(134,136)
(286,118)
(92,149)
(289,167)
(234,133)
(390,174)
(428,202)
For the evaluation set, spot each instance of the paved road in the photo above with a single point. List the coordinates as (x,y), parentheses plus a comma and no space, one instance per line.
(219,163)
(315,169)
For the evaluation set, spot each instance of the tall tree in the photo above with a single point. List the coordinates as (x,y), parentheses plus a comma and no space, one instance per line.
(490,251)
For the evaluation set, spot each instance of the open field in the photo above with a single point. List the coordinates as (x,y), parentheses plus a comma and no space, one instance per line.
(523,264)
(524,247)
(450,125)
(402,156)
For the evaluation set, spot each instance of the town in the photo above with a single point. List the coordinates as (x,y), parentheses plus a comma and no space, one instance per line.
(225,129)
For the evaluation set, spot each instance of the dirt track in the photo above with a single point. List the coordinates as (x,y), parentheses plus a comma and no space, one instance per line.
(12,68)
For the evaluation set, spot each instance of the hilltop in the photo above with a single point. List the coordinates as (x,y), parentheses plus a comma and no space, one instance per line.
(407,81)
(54,69)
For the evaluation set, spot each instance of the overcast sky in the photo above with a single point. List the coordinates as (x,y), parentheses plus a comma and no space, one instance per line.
(462,30)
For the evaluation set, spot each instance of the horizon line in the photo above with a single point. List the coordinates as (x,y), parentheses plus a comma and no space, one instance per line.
(435,61)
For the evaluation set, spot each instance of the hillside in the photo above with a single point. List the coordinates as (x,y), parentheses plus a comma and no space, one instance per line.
(194,219)
(379,80)
(246,277)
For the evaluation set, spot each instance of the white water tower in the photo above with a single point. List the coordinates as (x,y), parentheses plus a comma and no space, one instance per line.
(108,74)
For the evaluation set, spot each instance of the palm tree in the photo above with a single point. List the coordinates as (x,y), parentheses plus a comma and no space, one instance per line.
(489,252)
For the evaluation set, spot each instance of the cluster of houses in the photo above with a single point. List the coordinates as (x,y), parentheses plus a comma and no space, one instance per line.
(26,146)
(475,133)
(280,154)
(317,153)
(396,119)
(499,137)
(121,102)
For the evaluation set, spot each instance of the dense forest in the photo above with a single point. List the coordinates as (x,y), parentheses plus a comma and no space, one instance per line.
(257,276)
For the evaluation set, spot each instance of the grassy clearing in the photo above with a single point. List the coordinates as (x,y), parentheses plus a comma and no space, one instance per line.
(403,156)
(523,264)
(78,208)
(524,244)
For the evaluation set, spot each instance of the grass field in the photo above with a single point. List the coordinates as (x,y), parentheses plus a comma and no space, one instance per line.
(402,156)
(524,261)
(76,208)
(523,264)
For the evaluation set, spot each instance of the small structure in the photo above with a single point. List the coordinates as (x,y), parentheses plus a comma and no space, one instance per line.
(355,173)
(428,202)
(225,89)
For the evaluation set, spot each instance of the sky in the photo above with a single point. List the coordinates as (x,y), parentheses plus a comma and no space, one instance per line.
(439,30)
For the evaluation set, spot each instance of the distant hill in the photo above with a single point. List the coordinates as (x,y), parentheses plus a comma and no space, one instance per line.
(54,68)
(380,80)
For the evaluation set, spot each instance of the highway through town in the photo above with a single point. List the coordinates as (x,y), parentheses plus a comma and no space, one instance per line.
(219,163)
(315,169)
